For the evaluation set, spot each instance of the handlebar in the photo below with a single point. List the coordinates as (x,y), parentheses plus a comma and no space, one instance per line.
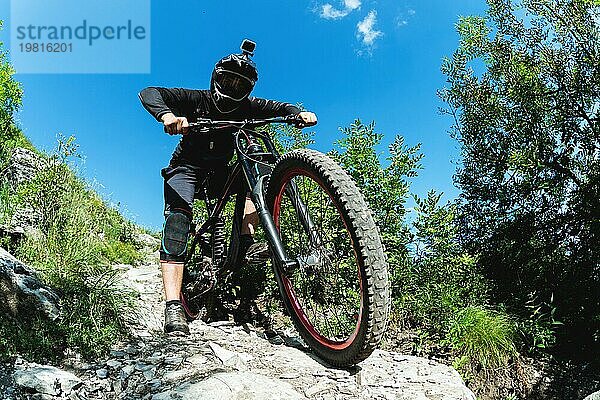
(206,124)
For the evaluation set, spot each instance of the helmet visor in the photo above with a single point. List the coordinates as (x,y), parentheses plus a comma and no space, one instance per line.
(233,85)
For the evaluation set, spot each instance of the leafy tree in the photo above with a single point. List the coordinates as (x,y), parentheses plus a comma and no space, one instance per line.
(442,278)
(10,90)
(433,276)
(524,89)
(386,188)
(11,94)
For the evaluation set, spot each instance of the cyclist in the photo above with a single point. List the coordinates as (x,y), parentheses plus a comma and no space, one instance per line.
(232,81)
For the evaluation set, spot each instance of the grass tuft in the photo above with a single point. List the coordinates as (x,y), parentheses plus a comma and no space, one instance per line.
(481,336)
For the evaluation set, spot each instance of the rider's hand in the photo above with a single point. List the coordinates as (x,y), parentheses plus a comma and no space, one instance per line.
(307,119)
(175,125)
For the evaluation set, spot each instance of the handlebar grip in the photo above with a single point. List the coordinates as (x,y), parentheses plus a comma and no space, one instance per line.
(299,122)
(172,134)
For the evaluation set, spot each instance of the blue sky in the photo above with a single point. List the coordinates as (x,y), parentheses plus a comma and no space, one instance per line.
(373,60)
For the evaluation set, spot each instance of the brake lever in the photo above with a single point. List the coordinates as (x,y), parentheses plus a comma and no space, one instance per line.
(197,126)
(299,123)
(191,128)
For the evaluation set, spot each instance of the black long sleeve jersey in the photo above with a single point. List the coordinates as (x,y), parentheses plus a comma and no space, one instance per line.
(214,147)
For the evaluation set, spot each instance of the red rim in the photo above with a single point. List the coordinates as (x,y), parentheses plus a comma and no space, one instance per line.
(186,307)
(298,310)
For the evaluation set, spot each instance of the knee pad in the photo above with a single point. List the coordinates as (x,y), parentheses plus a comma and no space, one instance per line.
(175,236)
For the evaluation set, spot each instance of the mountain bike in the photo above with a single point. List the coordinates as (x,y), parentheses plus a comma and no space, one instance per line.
(326,252)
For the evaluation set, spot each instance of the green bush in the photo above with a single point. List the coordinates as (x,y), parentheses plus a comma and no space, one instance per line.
(90,320)
(92,310)
(6,203)
(538,330)
(119,252)
(32,338)
(482,337)
(384,181)
(11,94)
(440,278)
(76,240)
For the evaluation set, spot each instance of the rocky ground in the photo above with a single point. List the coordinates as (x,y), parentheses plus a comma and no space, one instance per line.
(222,361)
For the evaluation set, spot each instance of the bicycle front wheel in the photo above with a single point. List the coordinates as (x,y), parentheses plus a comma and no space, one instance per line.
(338,295)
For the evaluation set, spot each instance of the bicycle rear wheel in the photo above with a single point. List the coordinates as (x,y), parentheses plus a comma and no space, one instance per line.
(338,296)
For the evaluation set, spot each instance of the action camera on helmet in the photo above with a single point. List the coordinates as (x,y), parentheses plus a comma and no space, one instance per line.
(248,47)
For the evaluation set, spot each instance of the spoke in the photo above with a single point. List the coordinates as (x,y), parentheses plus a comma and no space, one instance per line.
(309,303)
(323,288)
(326,322)
(341,326)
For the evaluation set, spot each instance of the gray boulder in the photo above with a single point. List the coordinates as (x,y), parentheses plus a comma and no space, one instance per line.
(22,167)
(21,293)
(23,220)
(414,377)
(146,241)
(233,385)
(45,379)
(593,396)
(148,246)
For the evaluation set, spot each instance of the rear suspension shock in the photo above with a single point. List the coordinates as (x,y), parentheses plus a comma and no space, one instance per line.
(218,242)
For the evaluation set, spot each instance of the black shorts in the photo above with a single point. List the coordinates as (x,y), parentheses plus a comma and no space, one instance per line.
(183,182)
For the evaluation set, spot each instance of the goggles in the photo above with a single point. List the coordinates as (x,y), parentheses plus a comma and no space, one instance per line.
(233,85)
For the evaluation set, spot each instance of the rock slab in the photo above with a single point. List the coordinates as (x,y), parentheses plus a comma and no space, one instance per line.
(593,396)
(21,292)
(233,385)
(22,167)
(45,379)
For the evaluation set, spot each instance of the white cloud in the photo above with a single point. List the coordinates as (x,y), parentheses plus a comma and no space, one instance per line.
(352,4)
(404,18)
(366,31)
(328,11)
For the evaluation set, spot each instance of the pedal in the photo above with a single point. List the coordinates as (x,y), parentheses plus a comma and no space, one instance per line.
(258,254)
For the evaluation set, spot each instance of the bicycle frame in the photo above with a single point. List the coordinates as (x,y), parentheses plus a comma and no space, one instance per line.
(247,164)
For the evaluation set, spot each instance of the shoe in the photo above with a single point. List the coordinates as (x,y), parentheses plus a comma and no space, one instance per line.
(258,253)
(175,320)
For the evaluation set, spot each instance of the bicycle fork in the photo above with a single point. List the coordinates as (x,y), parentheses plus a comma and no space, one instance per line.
(281,258)
(282,261)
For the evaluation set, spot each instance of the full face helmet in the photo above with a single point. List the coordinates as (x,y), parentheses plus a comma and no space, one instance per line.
(233,79)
